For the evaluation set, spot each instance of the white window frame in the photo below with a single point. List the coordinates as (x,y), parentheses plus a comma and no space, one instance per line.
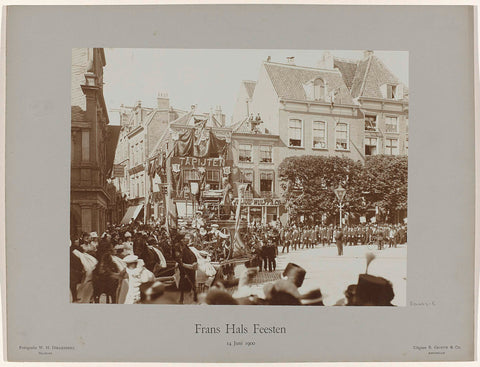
(251,153)
(273,181)
(394,91)
(244,172)
(302,140)
(376,145)
(321,98)
(313,134)
(376,121)
(270,150)
(348,136)
(390,147)
(397,124)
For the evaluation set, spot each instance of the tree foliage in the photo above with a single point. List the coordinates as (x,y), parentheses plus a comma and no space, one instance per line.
(385,182)
(309,181)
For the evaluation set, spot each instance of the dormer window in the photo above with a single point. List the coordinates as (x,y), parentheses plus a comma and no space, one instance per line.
(391,91)
(319,90)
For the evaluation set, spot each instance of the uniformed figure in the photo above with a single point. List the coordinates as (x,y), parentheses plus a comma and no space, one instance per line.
(339,236)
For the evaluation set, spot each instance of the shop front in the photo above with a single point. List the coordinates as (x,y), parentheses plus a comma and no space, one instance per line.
(260,210)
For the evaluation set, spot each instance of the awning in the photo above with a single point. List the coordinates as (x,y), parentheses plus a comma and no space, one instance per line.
(132,213)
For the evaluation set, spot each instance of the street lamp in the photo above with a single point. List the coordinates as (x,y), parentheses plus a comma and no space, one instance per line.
(340,194)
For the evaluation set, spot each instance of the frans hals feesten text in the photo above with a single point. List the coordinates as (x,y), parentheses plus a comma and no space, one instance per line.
(240,329)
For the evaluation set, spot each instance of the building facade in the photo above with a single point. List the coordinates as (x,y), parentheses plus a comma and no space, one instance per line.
(256,155)
(141,129)
(349,108)
(384,102)
(93,144)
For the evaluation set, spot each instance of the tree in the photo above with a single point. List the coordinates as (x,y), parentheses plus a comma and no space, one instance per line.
(385,183)
(308,183)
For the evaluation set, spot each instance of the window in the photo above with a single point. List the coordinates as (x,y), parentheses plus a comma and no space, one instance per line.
(370,146)
(319,135)
(406,145)
(370,123)
(391,147)
(391,124)
(142,153)
(341,136)
(85,146)
(391,91)
(266,182)
(266,153)
(213,176)
(245,153)
(190,175)
(247,176)
(319,89)
(295,133)
(142,186)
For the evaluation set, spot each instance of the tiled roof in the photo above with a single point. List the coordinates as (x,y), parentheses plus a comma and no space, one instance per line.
(190,119)
(288,81)
(249,87)
(244,127)
(359,77)
(370,76)
(348,69)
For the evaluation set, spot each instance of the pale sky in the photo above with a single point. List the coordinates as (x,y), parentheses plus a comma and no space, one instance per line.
(207,77)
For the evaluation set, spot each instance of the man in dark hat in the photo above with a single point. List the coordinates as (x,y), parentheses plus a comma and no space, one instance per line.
(339,241)
(373,291)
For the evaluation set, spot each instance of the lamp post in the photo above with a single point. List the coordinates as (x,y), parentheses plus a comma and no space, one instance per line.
(340,194)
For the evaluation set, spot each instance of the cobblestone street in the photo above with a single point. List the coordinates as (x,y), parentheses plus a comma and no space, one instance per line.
(332,273)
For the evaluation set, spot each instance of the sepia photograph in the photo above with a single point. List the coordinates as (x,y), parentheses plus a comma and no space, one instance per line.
(239,177)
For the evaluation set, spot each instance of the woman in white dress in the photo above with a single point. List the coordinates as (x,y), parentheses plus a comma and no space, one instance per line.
(137,275)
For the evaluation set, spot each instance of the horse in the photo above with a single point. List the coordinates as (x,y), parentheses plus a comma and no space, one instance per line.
(185,259)
(106,275)
(149,255)
(105,278)
(77,273)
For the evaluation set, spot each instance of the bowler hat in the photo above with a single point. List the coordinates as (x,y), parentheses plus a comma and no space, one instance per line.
(295,274)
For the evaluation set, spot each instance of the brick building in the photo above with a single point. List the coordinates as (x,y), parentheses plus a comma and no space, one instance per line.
(93,144)
(141,129)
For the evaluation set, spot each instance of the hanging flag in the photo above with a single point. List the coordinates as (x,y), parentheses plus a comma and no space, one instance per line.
(238,245)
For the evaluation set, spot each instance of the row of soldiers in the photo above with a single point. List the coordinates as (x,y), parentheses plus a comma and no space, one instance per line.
(309,236)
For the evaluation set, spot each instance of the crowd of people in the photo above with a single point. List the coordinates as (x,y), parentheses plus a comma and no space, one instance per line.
(128,263)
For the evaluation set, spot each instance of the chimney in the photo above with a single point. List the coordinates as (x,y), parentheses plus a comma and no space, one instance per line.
(219,115)
(326,62)
(291,60)
(139,104)
(367,54)
(163,102)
